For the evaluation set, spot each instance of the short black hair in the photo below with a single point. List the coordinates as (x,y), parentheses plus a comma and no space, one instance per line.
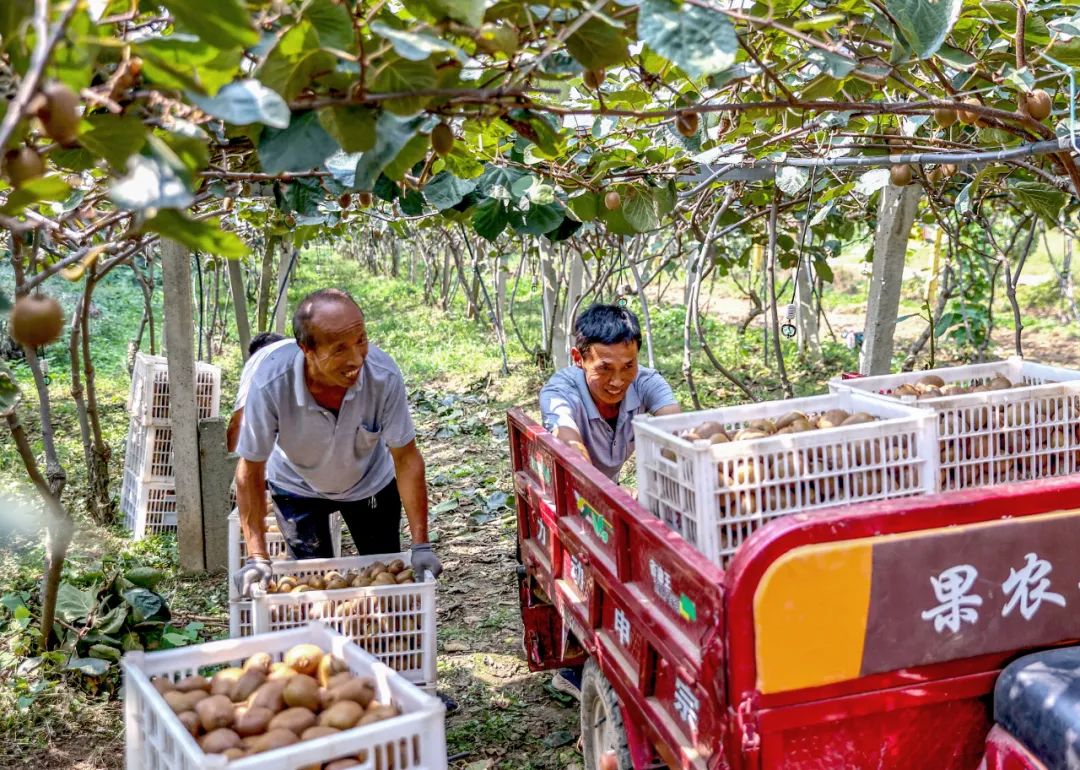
(305,310)
(605,325)
(261,340)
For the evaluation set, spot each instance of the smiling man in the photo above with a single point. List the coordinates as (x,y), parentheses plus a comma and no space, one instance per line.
(327,424)
(591,404)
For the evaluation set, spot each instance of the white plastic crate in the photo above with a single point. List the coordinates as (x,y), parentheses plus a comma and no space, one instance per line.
(1000,436)
(148,507)
(156,740)
(395,623)
(148,401)
(240,623)
(716,495)
(149,452)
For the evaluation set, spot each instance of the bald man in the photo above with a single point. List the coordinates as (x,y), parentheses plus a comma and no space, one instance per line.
(327,424)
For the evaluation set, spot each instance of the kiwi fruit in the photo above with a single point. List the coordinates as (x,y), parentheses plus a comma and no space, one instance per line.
(249,682)
(344,200)
(301,690)
(1037,104)
(932,379)
(342,715)
(329,667)
(361,691)
(405,576)
(339,679)
(335,584)
(190,721)
(269,696)
(364,199)
(833,418)
(193,682)
(442,140)
(316,583)
(594,78)
(318,731)
(612,200)
(384,579)
(295,719)
(219,741)
(901,175)
(59,113)
(969,118)
(252,721)
(945,117)
(687,123)
(162,684)
(304,658)
(396,566)
(37,320)
(223,682)
(184,701)
(274,738)
(22,165)
(215,712)
(280,670)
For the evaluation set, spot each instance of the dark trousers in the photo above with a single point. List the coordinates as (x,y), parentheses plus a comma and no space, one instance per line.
(374,522)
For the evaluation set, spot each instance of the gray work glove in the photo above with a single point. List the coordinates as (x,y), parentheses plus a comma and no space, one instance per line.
(425,560)
(256,571)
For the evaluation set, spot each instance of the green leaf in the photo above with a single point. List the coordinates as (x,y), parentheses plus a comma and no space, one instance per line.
(400,75)
(104,652)
(153,181)
(639,209)
(9,390)
(204,235)
(289,67)
(353,128)
(73,604)
(412,204)
(181,62)
(586,206)
(956,58)
(302,146)
(872,181)
(385,189)
(88,666)
(490,219)
(13,14)
(1044,200)
(792,179)
(565,230)
(112,621)
(498,176)
(597,45)
(391,135)
(222,23)
(446,190)
(46,188)
(924,23)
(537,220)
(414,151)
(333,24)
(243,102)
(114,137)
(699,41)
(415,46)
(145,577)
(469,12)
(145,605)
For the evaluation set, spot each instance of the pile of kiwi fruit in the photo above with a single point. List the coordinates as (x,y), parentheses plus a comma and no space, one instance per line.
(932,386)
(792,422)
(265,705)
(376,574)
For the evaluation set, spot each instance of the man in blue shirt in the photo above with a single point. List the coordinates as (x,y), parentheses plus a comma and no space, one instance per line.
(591,404)
(326,422)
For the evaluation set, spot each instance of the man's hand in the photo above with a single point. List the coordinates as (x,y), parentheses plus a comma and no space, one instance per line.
(256,571)
(425,560)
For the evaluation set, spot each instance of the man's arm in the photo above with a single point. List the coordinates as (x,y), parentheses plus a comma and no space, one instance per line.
(251,501)
(412,487)
(232,433)
(669,409)
(571,437)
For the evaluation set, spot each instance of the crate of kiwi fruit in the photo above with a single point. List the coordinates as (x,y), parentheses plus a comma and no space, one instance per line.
(240,609)
(375,600)
(716,476)
(303,699)
(997,422)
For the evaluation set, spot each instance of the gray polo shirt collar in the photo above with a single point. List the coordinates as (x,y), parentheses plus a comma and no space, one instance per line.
(303,395)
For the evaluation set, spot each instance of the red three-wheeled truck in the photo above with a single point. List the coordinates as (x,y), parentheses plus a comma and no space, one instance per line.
(926,632)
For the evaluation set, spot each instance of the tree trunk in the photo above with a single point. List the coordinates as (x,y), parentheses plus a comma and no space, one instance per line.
(98,468)
(239,297)
(285,263)
(773,314)
(550,277)
(266,277)
(574,296)
(806,311)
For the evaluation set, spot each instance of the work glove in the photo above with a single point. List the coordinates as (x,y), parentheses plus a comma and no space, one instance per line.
(256,571)
(425,560)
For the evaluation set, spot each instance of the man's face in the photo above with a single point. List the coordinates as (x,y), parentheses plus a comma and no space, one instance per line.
(609,370)
(340,344)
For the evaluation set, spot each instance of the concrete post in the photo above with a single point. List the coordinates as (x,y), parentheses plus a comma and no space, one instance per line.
(806,311)
(550,277)
(239,298)
(180,352)
(566,329)
(217,468)
(896,214)
(282,295)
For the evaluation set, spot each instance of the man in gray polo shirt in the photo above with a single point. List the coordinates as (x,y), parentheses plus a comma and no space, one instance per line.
(591,405)
(327,424)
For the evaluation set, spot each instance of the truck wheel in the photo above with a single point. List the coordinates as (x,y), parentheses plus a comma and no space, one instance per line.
(603,736)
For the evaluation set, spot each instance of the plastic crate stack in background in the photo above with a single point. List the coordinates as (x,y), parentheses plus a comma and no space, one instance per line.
(716,494)
(996,423)
(395,623)
(240,621)
(156,739)
(148,490)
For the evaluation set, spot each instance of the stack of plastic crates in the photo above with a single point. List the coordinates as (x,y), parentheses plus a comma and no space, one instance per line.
(148,491)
